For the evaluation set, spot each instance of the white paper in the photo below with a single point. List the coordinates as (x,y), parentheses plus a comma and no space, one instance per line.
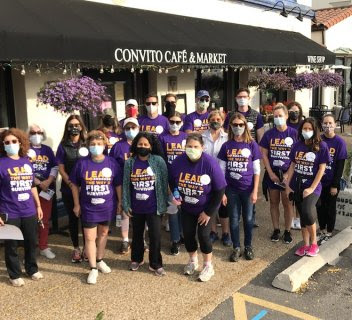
(47,195)
(10,232)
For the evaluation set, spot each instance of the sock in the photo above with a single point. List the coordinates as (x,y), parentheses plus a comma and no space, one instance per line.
(194,259)
(207,263)
(125,239)
(99,260)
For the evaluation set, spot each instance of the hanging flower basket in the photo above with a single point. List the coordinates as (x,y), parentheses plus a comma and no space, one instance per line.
(306,81)
(331,79)
(76,94)
(274,81)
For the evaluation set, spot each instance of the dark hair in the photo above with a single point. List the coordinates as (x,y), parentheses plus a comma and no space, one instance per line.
(82,135)
(175,114)
(151,95)
(196,137)
(297,104)
(315,145)
(243,89)
(22,139)
(152,139)
(168,95)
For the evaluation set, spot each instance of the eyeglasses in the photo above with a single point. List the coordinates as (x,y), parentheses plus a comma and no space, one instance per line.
(204,99)
(150,103)
(35,132)
(241,125)
(175,122)
(14,141)
(74,125)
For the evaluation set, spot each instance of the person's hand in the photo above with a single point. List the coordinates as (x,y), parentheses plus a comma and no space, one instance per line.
(176,202)
(1,222)
(284,178)
(203,219)
(224,200)
(333,191)
(254,197)
(288,190)
(39,213)
(37,181)
(44,185)
(274,178)
(128,213)
(77,210)
(307,192)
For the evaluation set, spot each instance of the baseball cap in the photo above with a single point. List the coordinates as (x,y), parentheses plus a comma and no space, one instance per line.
(132,101)
(109,112)
(131,120)
(203,93)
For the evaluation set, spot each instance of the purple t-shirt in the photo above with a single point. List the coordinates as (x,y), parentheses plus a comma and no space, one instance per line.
(293,125)
(338,151)
(173,146)
(97,181)
(307,164)
(143,197)
(196,122)
(16,182)
(196,181)
(156,126)
(43,160)
(121,152)
(239,157)
(279,145)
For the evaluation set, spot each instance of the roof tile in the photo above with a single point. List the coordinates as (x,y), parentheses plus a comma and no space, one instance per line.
(331,16)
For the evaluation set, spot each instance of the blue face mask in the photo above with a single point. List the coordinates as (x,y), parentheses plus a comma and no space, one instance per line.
(12,149)
(279,121)
(96,150)
(131,134)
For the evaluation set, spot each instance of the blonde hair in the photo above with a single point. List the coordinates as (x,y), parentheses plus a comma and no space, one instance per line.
(281,106)
(247,138)
(216,113)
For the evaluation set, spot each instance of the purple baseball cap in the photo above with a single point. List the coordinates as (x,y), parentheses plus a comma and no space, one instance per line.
(203,93)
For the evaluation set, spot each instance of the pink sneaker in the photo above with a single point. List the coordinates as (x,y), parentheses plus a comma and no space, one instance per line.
(302,251)
(313,250)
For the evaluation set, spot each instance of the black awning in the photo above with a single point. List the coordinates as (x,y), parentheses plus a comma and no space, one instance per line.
(83,31)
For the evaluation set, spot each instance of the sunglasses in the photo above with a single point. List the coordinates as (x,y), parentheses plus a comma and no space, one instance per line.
(130,128)
(76,125)
(241,125)
(175,122)
(150,103)
(35,132)
(14,141)
(204,99)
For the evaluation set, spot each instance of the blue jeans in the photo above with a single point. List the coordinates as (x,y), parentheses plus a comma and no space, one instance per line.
(175,226)
(237,202)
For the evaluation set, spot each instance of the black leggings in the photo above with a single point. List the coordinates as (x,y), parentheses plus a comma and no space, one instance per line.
(306,210)
(190,227)
(73,221)
(326,209)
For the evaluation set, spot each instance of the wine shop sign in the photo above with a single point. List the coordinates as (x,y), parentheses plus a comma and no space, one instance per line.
(168,56)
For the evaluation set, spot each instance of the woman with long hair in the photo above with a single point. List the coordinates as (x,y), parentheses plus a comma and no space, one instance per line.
(295,115)
(71,148)
(309,157)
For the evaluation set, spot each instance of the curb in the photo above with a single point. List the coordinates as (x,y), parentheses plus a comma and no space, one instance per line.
(297,274)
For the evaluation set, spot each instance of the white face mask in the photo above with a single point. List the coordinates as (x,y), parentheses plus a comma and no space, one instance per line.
(175,127)
(152,109)
(36,139)
(279,121)
(242,101)
(307,134)
(201,106)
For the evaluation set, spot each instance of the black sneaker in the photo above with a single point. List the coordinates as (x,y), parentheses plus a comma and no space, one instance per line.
(287,237)
(248,253)
(125,247)
(182,241)
(276,235)
(235,255)
(174,250)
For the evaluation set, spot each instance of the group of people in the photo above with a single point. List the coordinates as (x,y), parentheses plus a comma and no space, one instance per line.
(194,168)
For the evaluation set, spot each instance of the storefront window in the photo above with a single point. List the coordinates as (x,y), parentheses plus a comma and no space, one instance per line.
(268,100)
(214,83)
(6,100)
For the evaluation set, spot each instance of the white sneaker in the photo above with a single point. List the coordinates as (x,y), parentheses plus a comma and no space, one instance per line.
(207,273)
(93,276)
(19,282)
(190,268)
(167,227)
(47,253)
(37,276)
(298,224)
(103,267)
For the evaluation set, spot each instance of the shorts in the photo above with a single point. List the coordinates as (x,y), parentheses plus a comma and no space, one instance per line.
(91,225)
(223,212)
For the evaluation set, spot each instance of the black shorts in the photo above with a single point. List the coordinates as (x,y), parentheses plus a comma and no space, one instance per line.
(91,225)
(223,212)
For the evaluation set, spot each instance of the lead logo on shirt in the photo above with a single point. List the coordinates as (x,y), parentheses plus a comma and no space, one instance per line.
(200,125)
(237,161)
(143,180)
(39,162)
(192,186)
(280,148)
(21,179)
(304,162)
(98,182)
(173,150)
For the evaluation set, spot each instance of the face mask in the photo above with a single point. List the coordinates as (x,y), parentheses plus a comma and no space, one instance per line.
(307,134)
(74,131)
(201,106)
(293,115)
(175,127)
(214,125)
(193,154)
(36,139)
(12,149)
(237,131)
(143,152)
(131,134)
(131,112)
(242,101)
(328,129)
(108,121)
(152,109)
(96,150)
(170,107)
(279,121)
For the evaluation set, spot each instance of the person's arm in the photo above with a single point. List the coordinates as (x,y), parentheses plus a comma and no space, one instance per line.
(75,195)
(290,172)
(256,171)
(318,176)
(339,166)
(212,207)
(260,133)
(272,175)
(37,203)
(64,175)
(119,199)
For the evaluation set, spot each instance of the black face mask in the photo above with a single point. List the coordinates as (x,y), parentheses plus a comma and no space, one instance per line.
(170,107)
(293,115)
(108,121)
(73,131)
(214,125)
(143,152)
